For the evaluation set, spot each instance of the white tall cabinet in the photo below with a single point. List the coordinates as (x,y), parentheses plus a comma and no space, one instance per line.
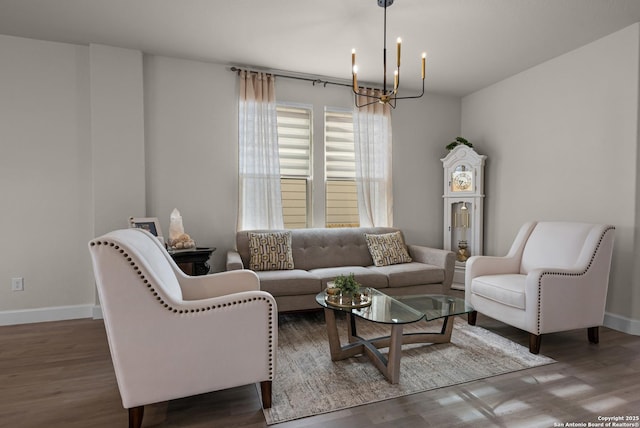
(463,206)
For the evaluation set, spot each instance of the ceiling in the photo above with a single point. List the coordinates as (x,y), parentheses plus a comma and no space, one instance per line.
(470,43)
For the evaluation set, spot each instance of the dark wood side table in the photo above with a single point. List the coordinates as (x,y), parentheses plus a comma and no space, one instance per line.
(193,261)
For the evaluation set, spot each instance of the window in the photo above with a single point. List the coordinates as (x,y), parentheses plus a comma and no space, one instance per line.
(294,143)
(295,123)
(340,170)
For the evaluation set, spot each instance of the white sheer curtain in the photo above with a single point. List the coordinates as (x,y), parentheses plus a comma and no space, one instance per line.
(260,202)
(372,137)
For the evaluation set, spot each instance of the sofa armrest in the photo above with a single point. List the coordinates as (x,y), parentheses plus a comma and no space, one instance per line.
(444,259)
(564,299)
(490,265)
(218,284)
(234,261)
(237,335)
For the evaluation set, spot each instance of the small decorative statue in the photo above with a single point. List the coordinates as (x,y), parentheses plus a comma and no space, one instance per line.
(463,253)
(178,240)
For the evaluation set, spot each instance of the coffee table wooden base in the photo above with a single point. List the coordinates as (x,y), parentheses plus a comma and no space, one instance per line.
(389,367)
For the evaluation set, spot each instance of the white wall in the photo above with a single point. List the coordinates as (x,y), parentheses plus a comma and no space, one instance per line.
(45,174)
(71,168)
(191,127)
(561,140)
(117,137)
(421,130)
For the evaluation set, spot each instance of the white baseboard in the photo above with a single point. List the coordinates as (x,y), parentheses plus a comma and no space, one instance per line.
(97,312)
(58,313)
(623,324)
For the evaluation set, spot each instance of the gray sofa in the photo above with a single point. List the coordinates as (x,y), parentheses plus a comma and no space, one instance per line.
(320,255)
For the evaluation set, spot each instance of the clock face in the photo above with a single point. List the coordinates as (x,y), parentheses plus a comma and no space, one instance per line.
(461,181)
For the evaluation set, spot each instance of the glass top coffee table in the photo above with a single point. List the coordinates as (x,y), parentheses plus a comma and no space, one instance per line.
(395,311)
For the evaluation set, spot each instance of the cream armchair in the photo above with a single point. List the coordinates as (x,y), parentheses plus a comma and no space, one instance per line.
(173,335)
(555,278)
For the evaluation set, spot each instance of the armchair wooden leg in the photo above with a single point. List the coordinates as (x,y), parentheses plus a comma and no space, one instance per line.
(534,343)
(594,334)
(265,389)
(135,416)
(472,317)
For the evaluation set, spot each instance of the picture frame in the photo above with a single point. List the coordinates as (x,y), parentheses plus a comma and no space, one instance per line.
(150,224)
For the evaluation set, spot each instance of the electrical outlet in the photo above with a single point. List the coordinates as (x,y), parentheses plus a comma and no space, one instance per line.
(17,284)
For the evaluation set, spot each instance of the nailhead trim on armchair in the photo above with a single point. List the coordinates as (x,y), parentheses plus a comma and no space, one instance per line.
(151,288)
(593,256)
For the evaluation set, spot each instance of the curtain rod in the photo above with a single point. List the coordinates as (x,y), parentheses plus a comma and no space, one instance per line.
(313,80)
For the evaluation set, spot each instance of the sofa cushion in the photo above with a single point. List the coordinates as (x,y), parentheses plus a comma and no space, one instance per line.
(270,251)
(289,282)
(506,289)
(406,274)
(387,249)
(364,276)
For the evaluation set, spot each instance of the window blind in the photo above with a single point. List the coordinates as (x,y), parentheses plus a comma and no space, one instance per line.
(294,147)
(294,141)
(340,168)
(340,158)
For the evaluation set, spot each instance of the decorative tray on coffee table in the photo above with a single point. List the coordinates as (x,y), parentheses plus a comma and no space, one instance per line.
(339,301)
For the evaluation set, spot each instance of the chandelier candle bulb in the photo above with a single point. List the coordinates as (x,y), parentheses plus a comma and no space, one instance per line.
(355,78)
(399,44)
(424,59)
(353,58)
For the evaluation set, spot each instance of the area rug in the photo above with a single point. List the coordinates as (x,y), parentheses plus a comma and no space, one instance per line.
(308,383)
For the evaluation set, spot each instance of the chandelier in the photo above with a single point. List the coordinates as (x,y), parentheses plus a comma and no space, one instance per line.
(385,96)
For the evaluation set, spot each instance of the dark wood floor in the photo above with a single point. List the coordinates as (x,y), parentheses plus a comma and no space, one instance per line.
(60,374)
